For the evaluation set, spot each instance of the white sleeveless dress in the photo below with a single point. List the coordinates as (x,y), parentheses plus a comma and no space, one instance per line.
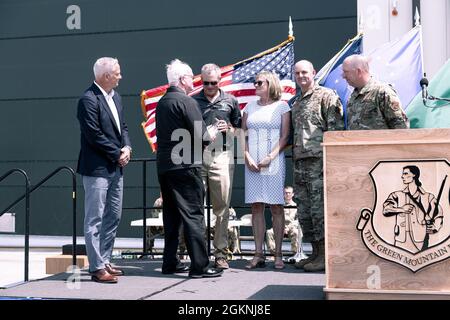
(264,130)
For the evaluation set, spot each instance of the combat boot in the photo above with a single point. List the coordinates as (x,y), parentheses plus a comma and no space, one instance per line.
(317,264)
(315,249)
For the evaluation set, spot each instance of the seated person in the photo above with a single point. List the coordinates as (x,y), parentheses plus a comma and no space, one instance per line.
(233,234)
(154,231)
(291,225)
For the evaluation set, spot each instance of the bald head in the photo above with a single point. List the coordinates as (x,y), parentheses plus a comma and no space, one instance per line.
(358,62)
(355,70)
(304,75)
(305,64)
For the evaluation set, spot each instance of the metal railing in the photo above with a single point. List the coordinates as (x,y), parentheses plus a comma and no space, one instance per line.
(74,207)
(144,209)
(27,216)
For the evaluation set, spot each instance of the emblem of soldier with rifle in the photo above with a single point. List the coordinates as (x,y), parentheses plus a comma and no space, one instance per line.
(417,212)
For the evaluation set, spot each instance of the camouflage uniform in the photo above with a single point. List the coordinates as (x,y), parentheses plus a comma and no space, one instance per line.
(375,106)
(232,235)
(154,231)
(291,229)
(317,111)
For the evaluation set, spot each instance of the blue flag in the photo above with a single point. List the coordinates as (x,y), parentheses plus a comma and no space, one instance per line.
(400,64)
(397,62)
(330,75)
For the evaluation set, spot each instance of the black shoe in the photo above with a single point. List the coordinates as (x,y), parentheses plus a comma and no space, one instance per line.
(180,268)
(208,273)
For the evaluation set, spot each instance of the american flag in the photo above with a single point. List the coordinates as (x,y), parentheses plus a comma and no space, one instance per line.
(236,79)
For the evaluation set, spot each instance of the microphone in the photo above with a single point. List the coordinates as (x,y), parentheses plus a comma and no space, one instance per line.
(424,85)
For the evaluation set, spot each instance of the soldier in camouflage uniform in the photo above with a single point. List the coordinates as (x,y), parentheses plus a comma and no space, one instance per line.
(314,111)
(373,104)
(154,231)
(232,234)
(291,227)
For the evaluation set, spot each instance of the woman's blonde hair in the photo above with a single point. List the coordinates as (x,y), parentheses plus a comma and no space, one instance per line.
(273,84)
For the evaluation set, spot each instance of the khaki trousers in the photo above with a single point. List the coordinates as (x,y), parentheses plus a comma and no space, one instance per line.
(217,170)
(292,234)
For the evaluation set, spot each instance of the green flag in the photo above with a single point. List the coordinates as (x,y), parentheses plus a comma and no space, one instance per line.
(436,114)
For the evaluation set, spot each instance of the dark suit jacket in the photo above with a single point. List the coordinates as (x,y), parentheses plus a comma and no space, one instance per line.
(100,138)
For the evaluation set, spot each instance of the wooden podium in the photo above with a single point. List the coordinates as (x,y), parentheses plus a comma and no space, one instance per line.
(386,236)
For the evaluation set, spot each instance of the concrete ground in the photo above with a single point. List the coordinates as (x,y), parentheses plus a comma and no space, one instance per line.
(12,264)
(143,281)
(12,255)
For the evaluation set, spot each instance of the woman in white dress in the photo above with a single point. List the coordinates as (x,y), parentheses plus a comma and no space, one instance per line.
(265,124)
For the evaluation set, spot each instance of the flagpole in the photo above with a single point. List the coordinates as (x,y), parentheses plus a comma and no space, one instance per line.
(360,24)
(417,25)
(337,55)
(268,50)
(416,18)
(290,38)
(291,29)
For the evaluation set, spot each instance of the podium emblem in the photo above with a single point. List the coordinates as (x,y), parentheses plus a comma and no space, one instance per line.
(410,220)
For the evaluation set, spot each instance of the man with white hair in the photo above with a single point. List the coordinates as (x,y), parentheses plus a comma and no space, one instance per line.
(373,104)
(180,129)
(105,151)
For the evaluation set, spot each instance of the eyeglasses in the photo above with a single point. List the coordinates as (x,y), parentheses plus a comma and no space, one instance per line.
(258,83)
(212,83)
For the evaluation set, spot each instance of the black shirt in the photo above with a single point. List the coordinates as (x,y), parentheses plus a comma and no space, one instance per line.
(225,107)
(176,110)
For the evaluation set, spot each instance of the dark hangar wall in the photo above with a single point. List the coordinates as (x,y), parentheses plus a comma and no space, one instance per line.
(44,67)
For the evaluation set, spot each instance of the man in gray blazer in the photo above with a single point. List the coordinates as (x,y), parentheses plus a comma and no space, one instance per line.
(105,151)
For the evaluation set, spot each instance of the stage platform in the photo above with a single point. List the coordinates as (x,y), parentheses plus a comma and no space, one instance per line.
(143,281)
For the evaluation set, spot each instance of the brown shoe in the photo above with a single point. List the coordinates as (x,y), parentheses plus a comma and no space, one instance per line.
(113,271)
(221,263)
(103,276)
(258,261)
